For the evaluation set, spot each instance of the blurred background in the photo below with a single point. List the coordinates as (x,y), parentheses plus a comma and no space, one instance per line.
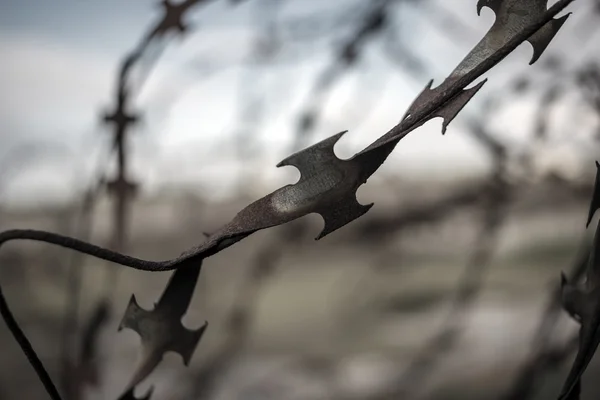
(125,125)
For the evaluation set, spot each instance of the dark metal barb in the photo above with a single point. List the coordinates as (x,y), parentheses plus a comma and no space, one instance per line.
(161,329)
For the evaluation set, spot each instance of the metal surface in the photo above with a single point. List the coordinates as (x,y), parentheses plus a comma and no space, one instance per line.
(161,329)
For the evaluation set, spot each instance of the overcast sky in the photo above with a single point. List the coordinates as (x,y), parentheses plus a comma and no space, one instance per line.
(57,73)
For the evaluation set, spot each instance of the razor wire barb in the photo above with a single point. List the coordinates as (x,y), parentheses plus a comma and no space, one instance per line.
(327,185)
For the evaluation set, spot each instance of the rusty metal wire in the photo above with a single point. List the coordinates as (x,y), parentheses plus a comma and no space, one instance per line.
(327,185)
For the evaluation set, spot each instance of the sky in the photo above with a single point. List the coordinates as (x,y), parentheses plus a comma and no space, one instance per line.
(57,75)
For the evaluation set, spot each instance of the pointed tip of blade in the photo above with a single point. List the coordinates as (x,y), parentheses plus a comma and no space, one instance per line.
(187,342)
(480,6)
(326,143)
(198,333)
(335,222)
(131,312)
(418,101)
(542,38)
(451,109)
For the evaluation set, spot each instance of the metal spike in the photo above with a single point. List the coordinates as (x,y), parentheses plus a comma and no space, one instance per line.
(542,38)
(185,341)
(511,16)
(161,329)
(494,5)
(311,160)
(327,180)
(453,107)
(421,99)
(133,315)
(340,214)
(450,109)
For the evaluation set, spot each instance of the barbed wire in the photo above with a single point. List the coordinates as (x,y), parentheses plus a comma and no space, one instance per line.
(337,204)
